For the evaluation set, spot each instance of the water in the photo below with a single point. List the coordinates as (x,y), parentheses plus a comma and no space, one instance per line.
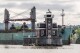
(73,48)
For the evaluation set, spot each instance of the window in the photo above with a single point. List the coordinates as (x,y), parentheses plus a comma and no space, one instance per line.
(49,32)
(49,25)
(49,21)
(48,15)
(53,32)
(42,32)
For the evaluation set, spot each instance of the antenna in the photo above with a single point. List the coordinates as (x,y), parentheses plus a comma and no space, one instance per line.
(62,17)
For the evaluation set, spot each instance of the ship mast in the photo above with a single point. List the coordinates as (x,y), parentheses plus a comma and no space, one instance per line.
(62,17)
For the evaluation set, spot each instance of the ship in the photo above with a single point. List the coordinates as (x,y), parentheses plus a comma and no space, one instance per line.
(45,34)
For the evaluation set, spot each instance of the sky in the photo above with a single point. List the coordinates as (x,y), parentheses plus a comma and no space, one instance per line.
(71,10)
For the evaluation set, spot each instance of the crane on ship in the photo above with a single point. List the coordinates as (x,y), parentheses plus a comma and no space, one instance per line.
(32,18)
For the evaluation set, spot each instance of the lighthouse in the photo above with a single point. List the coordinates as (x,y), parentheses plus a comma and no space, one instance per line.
(48,21)
(48,33)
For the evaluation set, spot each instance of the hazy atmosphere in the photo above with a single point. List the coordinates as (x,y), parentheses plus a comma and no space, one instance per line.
(71,9)
(19,33)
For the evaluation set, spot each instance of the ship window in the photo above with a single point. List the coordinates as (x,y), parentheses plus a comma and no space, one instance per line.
(53,32)
(49,26)
(42,32)
(49,21)
(48,15)
(49,32)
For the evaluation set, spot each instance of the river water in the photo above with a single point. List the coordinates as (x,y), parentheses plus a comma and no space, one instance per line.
(73,48)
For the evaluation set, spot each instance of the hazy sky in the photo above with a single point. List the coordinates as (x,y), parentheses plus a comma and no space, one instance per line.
(71,9)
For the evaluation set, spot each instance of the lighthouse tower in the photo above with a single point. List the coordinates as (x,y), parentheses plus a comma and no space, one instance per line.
(48,21)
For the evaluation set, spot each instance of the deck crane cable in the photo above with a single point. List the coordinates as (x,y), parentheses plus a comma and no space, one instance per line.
(20,13)
(16,13)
